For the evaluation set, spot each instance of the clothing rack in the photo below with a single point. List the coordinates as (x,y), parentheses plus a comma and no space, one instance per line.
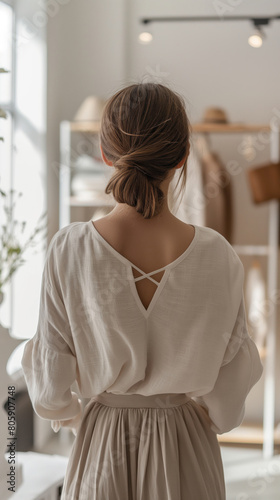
(271,251)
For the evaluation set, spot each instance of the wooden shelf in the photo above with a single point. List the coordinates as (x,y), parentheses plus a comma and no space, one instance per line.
(247,434)
(238,128)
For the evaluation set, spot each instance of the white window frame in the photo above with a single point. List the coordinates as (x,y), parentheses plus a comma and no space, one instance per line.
(10,109)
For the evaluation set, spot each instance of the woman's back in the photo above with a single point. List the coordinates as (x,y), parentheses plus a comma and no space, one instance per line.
(149,246)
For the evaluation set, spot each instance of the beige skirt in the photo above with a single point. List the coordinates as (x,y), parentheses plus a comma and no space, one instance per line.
(134,447)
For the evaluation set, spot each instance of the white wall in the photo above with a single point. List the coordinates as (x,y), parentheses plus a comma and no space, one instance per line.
(93,49)
(86,56)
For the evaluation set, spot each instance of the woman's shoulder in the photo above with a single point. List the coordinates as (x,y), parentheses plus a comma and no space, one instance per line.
(220,246)
(71,232)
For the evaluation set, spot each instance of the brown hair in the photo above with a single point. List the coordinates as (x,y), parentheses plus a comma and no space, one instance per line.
(145,132)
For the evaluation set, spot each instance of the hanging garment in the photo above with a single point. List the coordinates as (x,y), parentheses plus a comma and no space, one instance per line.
(218,194)
(191,342)
(191,209)
(255,294)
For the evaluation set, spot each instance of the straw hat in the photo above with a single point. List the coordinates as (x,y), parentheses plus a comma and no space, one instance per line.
(215,115)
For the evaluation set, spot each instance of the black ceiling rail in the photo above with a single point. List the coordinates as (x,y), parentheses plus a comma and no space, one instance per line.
(258,21)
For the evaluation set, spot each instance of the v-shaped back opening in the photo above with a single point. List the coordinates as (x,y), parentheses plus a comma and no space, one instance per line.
(139,282)
(146,288)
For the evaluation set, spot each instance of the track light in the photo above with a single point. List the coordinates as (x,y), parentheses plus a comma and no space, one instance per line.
(145,37)
(256,39)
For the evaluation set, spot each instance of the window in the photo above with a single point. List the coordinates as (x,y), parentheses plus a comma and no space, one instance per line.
(23,153)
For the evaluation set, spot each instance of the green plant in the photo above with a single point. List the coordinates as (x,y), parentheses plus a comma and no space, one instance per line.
(11,246)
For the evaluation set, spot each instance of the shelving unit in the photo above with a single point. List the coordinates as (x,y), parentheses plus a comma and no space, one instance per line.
(66,200)
(267,434)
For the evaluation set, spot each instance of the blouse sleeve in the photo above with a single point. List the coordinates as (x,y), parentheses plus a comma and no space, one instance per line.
(239,372)
(49,362)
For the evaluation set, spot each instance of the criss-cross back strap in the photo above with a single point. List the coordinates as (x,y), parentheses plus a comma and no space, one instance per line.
(147,275)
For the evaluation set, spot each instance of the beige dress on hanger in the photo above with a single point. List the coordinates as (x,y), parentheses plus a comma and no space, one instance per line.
(217,189)
(190,207)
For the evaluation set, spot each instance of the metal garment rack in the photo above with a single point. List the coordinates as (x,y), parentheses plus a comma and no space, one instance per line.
(66,201)
(271,251)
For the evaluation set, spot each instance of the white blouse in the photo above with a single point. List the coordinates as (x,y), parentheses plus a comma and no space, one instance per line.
(94,331)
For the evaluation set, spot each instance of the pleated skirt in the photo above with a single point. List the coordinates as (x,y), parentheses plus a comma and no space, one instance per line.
(135,447)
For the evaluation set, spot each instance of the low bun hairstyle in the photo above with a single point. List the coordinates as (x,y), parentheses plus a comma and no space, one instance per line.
(145,132)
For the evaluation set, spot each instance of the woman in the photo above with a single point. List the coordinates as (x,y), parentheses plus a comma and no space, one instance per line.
(146,314)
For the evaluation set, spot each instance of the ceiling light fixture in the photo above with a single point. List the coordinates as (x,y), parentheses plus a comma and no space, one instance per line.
(255,40)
